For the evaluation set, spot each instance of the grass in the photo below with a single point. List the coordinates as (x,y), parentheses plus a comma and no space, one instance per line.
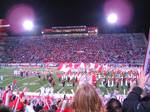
(34,83)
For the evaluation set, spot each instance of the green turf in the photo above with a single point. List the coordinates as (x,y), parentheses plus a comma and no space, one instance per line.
(34,83)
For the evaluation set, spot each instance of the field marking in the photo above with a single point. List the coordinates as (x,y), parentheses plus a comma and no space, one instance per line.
(41,86)
(28,85)
(7,79)
(60,89)
(20,80)
(6,75)
(24,78)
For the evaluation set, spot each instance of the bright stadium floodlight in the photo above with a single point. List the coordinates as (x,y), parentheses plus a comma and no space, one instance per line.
(112,18)
(28,25)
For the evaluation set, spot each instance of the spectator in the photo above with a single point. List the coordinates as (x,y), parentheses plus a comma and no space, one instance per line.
(39,106)
(4,109)
(114,105)
(86,99)
(134,102)
(124,49)
(1,102)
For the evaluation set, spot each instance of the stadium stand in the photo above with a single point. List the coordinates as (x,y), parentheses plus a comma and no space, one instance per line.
(109,50)
(104,48)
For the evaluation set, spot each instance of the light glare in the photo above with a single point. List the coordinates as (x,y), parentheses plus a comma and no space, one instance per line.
(112,18)
(28,25)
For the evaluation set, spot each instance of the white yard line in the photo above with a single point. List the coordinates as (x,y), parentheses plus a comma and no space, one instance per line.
(60,89)
(39,88)
(5,80)
(28,85)
(25,79)
(6,75)
(22,79)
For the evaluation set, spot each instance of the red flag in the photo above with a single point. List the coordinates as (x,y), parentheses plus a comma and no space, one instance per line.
(70,65)
(14,81)
(76,65)
(96,65)
(58,75)
(69,72)
(100,69)
(60,66)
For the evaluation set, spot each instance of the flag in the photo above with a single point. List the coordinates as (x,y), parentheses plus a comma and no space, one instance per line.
(100,68)
(82,65)
(70,65)
(147,59)
(60,66)
(76,65)
(59,75)
(7,99)
(63,67)
(96,65)
(92,66)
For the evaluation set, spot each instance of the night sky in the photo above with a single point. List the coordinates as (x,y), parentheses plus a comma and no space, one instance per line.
(78,12)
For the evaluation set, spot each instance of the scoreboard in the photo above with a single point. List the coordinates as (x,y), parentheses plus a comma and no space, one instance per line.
(71,30)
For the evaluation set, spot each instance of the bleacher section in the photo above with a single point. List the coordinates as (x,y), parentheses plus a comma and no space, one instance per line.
(104,48)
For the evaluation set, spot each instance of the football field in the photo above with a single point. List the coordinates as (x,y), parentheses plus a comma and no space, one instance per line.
(34,83)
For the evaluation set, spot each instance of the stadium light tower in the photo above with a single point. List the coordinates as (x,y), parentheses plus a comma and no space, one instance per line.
(28,25)
(112,18)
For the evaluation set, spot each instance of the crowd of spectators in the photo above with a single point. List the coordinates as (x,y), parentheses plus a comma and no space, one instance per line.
(105,48)
(85,99)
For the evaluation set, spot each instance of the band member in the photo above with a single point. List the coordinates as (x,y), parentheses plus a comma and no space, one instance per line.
(63,83)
